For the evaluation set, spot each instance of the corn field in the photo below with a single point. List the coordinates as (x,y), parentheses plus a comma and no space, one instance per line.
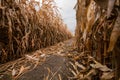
(98,35)
(28,26)
(23,28)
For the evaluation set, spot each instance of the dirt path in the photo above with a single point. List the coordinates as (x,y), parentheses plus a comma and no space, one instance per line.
(54,68)
(46,63)
(58,62)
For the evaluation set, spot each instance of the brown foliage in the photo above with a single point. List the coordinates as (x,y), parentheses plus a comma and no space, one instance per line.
(97,32)
(24,29)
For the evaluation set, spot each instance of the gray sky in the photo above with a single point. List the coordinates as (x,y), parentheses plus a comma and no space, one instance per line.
(68,13)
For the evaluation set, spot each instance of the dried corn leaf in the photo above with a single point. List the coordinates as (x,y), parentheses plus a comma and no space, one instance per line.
(21,71)
(111,4)
(60,78)
(80,66)
(31,58)
(13,72)
(101,67)
(90,74)
(115,34)
(73,72)
(107,75)
(91,18)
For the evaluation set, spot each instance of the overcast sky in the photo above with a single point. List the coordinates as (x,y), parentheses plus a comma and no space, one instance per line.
(68,13)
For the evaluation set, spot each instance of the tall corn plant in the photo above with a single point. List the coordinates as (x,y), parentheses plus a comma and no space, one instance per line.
(24,29)
(97,31)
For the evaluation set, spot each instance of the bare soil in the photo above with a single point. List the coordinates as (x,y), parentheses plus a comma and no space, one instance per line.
(58,68)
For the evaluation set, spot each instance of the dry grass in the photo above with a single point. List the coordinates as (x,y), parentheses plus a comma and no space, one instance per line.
(24,29)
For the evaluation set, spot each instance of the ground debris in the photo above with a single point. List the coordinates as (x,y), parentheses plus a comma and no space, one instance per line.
(60,61)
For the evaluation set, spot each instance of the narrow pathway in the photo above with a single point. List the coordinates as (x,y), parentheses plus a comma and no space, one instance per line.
(58,62)
(45,63)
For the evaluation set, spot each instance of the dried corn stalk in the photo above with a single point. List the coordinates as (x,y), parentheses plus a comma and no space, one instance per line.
(24,29)
(99,36)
